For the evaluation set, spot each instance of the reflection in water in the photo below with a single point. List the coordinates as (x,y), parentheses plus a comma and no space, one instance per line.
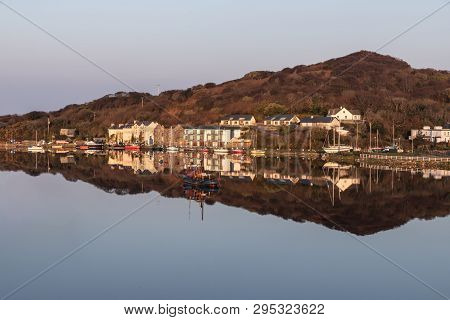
(360,198)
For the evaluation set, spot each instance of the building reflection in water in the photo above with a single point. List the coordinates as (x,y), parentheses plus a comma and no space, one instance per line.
(363,198)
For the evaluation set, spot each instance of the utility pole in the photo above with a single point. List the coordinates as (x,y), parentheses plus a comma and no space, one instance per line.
(142,102)
(356,135)
(370,136)
(393,134)
(48,129)
(310,134)
(377,138)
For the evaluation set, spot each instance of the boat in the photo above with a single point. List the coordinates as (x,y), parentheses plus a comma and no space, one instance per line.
(157,148)
(91,145)
(221,151)
(36,147)
(118,147)
(172,149)
(336,148)
(204,150)
(257,153)
(196,178)
(237,151)
(132,147)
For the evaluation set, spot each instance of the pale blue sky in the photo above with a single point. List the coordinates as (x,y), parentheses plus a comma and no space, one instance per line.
(181,43)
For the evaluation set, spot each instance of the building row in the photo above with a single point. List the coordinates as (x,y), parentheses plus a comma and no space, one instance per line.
(436,134)
(333,118)
(228,133)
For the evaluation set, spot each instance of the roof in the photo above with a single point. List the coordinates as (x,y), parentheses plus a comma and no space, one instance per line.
(334,111)
(130,125)
(212,127)
(317,120)
(238,117)
(280,117)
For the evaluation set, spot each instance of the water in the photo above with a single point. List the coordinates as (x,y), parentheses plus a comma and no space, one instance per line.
(256,238)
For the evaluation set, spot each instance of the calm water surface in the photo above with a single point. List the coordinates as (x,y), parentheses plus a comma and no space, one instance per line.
(254,239)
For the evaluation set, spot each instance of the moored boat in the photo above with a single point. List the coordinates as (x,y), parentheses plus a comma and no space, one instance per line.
(337,149)
(172,149)
(221,150)
(257,153)
(36,149)
(132,147)
(91,145)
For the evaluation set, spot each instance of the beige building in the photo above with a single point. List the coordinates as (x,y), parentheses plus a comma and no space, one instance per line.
(281,120)
(137,132)
(239,120)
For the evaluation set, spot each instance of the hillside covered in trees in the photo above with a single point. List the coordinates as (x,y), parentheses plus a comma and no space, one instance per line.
(384,88)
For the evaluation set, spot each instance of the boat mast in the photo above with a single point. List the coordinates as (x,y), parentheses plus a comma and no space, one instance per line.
(334,137)
(339,141)
(377,138)
(393,134)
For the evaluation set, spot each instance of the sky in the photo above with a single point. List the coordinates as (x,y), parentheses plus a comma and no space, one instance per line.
(178,44)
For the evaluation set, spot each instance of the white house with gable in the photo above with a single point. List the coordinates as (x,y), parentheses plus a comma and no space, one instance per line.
(345,115)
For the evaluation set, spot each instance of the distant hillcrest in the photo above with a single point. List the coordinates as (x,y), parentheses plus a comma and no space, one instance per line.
(383,88)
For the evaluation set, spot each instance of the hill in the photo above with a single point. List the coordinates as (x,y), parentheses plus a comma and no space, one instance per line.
(384,88)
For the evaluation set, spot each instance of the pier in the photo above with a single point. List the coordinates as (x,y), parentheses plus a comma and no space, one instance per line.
(365,156)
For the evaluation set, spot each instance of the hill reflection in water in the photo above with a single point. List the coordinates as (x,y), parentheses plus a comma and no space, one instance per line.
(361,200)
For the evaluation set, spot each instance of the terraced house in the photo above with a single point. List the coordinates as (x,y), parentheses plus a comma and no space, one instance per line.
(239,120)
(281,120)
(136,132)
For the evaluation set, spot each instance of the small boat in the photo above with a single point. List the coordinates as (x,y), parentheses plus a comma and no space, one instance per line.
(132,147)
(376,150)
(157,148)
(35,149)
(257,153)
(204,150)
(91,145)
(237,151)
(337,149)
(172,149)
(118,147)
(221,150)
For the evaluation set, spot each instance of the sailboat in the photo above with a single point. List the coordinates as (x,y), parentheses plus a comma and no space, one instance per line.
(257,152)
(36,147)
(337,148)
(171,148)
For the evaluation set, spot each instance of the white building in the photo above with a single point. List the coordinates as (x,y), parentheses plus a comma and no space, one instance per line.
(437,134)
(344,114)
(210,136)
